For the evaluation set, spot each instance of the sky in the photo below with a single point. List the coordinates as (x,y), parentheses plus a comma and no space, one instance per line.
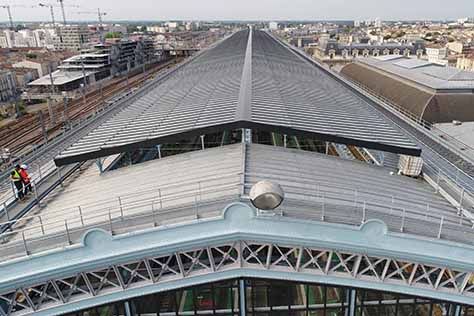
(247,9)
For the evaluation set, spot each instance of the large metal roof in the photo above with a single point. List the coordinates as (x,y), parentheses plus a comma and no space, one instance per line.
(427,74)
(249,80)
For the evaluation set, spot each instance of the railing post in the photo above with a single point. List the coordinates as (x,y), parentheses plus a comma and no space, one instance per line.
(440,226)
(24,243)
(80,215)
(41,223)
(67,233)
(355,199)
(402,227)
(161,201)
(200,195)
(35,190)
(391,206)
(121,208)
(323,208)
(39,172)
(196,206)
(461,199)
(110,223)
(363,213)
(6,210)
(437,181)
(153,213)
(59,177)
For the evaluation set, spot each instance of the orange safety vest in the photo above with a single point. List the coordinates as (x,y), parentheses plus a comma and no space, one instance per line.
(24,175)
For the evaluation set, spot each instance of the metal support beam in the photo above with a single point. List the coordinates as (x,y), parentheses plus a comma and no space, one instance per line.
(243,308)
(202,142)
(100,165)
(352,302)
(158,148)
(128,311)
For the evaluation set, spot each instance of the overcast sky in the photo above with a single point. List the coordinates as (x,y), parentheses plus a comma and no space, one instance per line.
(250,9)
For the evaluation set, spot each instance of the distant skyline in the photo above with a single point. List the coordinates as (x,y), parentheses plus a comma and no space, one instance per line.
(247,10)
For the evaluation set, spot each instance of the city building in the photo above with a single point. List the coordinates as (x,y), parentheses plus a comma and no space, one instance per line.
(27,38)
(42,65)
(331,50)
(100,62)
(72,37)
(437,53)
(465,63)
(459,48)
(212,191)
(23,76)
(8,87)
(273,26)
(427,90)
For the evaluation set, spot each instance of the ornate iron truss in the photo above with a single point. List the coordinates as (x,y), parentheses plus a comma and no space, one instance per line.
(229,256)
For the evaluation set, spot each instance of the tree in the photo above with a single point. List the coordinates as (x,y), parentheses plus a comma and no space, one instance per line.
(31,55)
(113,35)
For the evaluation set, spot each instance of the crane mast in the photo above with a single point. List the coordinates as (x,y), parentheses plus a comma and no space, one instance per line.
(10,19)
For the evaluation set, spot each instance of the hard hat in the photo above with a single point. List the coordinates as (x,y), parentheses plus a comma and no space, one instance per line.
(24,167)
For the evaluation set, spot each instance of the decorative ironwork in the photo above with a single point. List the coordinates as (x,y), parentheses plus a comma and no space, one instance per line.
(236,255)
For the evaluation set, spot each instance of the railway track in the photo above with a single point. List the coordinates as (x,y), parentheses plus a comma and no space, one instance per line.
(27,131)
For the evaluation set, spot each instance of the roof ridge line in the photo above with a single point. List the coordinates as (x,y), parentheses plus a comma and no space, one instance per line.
(244,104)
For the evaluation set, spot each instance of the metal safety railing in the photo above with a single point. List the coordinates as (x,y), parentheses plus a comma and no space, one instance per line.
(442,167)
(326,206)
(124,214)
(37,175)
(179,203)
(458,147)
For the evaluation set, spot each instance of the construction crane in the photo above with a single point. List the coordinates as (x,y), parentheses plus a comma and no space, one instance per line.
(9,15)
(98,13)
(8,8)
(51,8)
(61,3)
(99,19)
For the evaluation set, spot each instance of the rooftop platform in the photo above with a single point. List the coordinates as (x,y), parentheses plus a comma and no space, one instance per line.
(181,188)
(249,80)
(60,78)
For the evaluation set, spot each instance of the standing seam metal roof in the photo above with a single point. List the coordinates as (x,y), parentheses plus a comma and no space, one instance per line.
(247,81)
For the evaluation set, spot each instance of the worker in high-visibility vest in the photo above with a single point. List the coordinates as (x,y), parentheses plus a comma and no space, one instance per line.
(15,177)
(25,178)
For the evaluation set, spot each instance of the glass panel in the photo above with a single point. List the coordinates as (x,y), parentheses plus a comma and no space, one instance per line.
(223,298)
(145,305)
(405,310)
(316,296)
(204,299)
(298,296)
(185,301)
(335,312)
(468,311)
(278,295)
(260,296)
(316,312)
(422,309)
(387,310)
(371,310)
(335,296)
(167,302)
(298,313)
